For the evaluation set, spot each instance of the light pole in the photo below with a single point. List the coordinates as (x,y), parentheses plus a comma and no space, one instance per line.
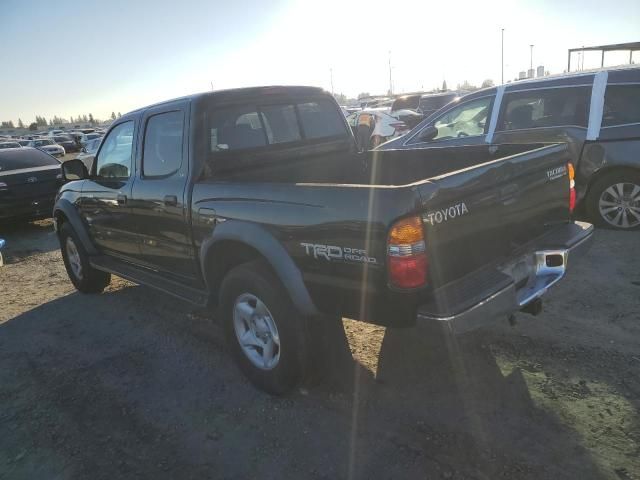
(502,57)
(390,82)
(331,74)
(531,57)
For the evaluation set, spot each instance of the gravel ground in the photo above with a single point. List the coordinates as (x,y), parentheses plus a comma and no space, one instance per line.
(134,384)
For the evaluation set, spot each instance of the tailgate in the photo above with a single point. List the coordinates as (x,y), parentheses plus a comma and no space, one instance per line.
(484,214)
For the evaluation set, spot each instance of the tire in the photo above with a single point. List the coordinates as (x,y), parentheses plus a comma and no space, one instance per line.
(613,200)
(84,277)
(252,303)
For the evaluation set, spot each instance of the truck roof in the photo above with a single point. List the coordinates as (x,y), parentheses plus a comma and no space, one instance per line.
(245,94)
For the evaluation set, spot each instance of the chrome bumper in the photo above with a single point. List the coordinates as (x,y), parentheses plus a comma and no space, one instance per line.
(508,287)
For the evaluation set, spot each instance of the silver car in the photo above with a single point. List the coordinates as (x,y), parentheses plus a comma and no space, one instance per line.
(48,146)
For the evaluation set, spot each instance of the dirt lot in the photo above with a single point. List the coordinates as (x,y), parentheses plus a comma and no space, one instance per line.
(133,384)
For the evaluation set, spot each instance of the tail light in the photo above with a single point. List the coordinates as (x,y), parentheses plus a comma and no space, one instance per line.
(406,254)
(572,187)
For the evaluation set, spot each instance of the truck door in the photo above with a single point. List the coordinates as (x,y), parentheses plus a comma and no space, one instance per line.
(160,202)
(106,194)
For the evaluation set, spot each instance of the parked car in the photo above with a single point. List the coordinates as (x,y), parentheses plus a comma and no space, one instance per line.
(88,152)
(406,102)
(251,202)
(10,145)
(48,146)
(53,133)
(67,143)
(29,181)
(373,127)
(2,243)
(597,113)
(86,137)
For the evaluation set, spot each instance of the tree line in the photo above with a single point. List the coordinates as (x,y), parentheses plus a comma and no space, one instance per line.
(42,121)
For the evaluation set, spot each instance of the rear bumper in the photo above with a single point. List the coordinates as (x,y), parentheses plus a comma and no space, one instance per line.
(481,297)
(28,209)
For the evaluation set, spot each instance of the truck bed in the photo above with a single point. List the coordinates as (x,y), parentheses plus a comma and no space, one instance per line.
(492,209)
(329,163)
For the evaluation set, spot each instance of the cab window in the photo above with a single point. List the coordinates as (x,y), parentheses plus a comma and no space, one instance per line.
(162,152)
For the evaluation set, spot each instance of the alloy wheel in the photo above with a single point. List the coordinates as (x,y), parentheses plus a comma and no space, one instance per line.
(619,205)
(256,331)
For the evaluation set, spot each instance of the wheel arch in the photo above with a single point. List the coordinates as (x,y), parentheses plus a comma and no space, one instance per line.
(235,242)
(607,170)
(65,212)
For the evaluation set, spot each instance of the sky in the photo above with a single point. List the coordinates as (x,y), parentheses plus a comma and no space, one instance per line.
(73,57)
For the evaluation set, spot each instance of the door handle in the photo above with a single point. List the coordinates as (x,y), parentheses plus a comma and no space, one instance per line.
(170,200)
(122,199)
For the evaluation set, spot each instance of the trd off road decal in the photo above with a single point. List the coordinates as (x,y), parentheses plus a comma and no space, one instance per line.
(445,214)
(557,172)
(333,252)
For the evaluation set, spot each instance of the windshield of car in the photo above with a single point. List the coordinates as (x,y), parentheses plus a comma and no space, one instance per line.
(62,139)
(42,143)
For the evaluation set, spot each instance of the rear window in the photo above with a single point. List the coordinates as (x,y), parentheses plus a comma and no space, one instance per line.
(61,139)
(321,119)
(24,158)
(411,103)
(252,126)
(621,105)
(430,104)
(550,107)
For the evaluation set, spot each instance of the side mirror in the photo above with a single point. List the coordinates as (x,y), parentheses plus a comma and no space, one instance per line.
(428,134)
(74,170)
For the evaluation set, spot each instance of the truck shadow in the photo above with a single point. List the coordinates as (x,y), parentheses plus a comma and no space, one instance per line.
(131,382)
(444,400)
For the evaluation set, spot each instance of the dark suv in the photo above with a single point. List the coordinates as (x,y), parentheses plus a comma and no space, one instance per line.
(597,113)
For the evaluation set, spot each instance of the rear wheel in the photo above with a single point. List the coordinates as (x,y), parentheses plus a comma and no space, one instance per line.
(266,334)
(614,200)
(76,261)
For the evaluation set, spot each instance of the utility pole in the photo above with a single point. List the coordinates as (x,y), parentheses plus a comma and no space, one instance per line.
(331,74)
(502,58)
(531,57)
(390,82)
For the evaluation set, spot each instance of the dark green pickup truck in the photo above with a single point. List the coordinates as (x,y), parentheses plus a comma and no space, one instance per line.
(257,204)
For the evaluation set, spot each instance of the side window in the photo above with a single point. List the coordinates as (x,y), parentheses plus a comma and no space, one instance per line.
(114,158)
(466,120)
(321,119)
(162,152)
(621,105)
(552,107)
